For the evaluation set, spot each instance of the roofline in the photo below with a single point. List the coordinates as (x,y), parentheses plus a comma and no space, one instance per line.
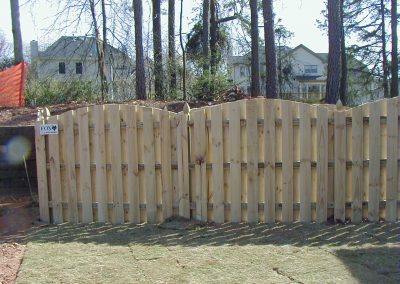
(309,50)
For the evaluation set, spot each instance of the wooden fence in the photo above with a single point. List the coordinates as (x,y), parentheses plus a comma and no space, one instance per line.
(253,160)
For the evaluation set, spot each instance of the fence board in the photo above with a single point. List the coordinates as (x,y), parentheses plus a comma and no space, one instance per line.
(166,164)
(43,189)
(269,152)
(340,165)
(392,172)
(84,162)
(322,164)
(217,160)
(287,162)
(149,165)
(374,161)
(130,112)
(70,172)
(183,165)
(305,163)
(201,193)
(113,118)
(252,161)
(100,160)
(357,168)
(235,172)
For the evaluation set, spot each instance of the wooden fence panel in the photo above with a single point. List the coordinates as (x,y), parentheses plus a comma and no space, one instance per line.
(252,160)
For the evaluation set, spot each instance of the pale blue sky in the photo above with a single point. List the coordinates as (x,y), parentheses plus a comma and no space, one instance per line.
(299,16)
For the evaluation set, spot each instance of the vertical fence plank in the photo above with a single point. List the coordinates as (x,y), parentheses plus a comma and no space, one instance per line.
(55,175)
(166,172)
(374,161)
(392,154)
(305,163)
(235,176)
(252,161)
(41,166)
(357,168)
(84,162)
(149,165)
(70,172)
(322,164)
(116,163)
(217,164)
(100,160)
(183,164)
(201,194)
(340,165)
(269,152)
(287,162)
(129,113)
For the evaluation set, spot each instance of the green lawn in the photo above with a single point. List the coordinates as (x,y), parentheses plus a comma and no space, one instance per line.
(182,252)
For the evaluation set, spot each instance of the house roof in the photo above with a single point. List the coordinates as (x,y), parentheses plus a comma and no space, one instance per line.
(76,47)
(321,56)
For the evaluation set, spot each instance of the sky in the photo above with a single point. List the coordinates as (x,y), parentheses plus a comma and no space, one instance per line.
(298,16)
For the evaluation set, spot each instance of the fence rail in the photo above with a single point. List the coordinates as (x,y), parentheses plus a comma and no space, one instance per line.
(254,160)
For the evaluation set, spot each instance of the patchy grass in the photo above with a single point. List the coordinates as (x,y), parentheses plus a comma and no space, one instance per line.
(181,252)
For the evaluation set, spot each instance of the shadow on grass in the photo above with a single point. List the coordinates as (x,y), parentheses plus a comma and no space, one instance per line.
(184,233)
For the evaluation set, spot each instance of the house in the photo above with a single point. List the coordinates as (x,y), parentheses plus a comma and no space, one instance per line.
(301,72)
(75,58)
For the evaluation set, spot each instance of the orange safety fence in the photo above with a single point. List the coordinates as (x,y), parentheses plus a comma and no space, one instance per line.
(12,85)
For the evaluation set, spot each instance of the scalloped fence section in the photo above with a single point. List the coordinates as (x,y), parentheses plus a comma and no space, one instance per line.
(254,160)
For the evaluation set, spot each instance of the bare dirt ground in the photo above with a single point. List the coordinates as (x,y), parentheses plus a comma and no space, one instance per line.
(28,115)
(18,214)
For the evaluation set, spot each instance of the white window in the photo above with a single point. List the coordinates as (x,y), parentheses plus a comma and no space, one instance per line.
(243,71)
(310,69)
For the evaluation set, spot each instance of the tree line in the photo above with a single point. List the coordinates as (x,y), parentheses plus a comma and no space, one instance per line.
(202,49)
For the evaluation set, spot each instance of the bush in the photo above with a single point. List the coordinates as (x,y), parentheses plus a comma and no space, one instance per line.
(56,92)
(207,87)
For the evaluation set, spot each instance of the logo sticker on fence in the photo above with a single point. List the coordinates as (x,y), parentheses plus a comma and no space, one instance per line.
(47,129)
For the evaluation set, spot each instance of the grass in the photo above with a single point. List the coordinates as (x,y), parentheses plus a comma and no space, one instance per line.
(182,252)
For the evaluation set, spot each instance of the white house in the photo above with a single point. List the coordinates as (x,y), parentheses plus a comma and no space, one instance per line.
(76,58)
(302,72)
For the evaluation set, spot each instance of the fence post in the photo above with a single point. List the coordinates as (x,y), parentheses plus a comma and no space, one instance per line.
(41,166)
(183,162)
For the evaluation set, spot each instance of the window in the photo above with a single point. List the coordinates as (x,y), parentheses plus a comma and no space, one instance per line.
(310,69)
(61,68)
(242,71)
(78,67)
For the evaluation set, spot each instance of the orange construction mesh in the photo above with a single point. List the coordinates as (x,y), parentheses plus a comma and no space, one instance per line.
(12,85)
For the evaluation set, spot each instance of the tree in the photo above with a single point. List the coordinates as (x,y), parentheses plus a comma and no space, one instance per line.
(334,35)
(183,53)
(100,52)
(343,55)
(270,53)
(157,50)
(171,46)
(255,70)
(384,55)
(394,91)
(205,45)
(140,72)
(16,31)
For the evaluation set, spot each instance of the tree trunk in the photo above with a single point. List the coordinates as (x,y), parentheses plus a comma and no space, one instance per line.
(16,31)
(205,35)
(384,55)
(104,47)
(183,53)
(157,50)
(394,90)
(171,46)
(270,52)
(100,54)
(255,69)
(334,34)
(343,80)
(140,72)
(213,36)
